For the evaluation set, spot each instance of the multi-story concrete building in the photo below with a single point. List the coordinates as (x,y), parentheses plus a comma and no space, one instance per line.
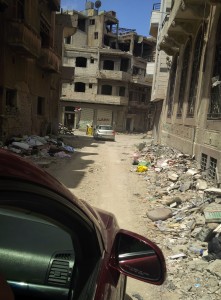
(29,89)
(191,115)
(111,82)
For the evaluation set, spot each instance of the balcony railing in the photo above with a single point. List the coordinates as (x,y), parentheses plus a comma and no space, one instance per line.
(114,75)
(49,60)
(68,95)
(21,37)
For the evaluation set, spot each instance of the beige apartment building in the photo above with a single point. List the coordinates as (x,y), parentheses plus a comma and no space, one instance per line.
(29,89)
(111,81)
(190,38)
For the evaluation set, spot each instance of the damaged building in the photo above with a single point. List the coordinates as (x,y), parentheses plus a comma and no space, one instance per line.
(113,71)
(189,45)
(29,89)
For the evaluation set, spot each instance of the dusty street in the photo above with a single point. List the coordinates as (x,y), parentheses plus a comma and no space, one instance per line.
(100,173)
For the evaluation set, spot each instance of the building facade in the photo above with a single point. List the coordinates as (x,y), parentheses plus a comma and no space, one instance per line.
(29,89)
(111,83)
(191,116)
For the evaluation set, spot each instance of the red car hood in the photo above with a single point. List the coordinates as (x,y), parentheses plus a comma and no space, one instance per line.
(18,168)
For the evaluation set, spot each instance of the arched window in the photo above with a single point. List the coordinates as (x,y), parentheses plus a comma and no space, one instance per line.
(81,62)
(106,89)
(108,65)
(215,97)
(195,73)
(184,72)
(79,87)
(171,86)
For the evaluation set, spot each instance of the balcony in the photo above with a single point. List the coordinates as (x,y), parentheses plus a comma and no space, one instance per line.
(145,80)
(114,75)
(3,5)
(67,74)
(54,5)
(155,20)
(68,95)
(182,22)
(49,60)
(23,39)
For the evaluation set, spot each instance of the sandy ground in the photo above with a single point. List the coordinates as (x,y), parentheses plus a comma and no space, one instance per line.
(101,173)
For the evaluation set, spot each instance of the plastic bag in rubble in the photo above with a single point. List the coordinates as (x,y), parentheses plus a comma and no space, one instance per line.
(141,169)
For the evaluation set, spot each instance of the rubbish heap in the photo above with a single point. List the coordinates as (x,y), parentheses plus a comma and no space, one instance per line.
(37,147)
(183,216)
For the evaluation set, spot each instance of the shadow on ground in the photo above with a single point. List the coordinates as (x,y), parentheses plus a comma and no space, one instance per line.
(71,171)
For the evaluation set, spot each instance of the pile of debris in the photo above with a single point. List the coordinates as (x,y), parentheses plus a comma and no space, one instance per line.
(39,147)
(184,218)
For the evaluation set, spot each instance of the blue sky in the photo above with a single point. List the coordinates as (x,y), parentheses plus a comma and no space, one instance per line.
(132,14)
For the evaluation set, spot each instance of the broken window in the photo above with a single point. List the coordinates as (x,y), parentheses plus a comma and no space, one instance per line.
(79,87)
(67,40)
(96,35)
(172,81)
(45,33)
(40,106)
(11,100)
(212,168)
(184,71)
(204,162)
(108,65)
(106,89)
(92,22)
(215,93)
(81,62)
(124,64)
(81,24)
(122,91)
(135,71)
(195,73)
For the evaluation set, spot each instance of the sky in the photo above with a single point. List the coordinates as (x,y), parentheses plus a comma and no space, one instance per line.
(132,14)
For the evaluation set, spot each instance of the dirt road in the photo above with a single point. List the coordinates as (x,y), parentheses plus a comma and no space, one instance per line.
(101,173)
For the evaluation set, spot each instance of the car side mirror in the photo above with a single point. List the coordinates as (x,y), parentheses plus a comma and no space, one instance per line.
(137,257)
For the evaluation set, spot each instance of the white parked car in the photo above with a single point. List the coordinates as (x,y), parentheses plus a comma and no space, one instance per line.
(105,132)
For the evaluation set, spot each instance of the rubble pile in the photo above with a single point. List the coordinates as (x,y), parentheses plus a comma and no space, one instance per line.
(183,213)
(37,147)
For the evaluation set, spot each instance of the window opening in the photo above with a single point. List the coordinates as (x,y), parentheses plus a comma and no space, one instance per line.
(122,91)
(11,100)
(215,94)
(212,168)
(92,22)
(96,35)
(67,40)
(40,106)
(92,60)
(79,87)
(108,65)
(124,65)
(135,71)
(204,162)
(90,85)
(44,33)
(172,86)
(186,57)
(81,24)
(81,62)
(195,73)
(106,89)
